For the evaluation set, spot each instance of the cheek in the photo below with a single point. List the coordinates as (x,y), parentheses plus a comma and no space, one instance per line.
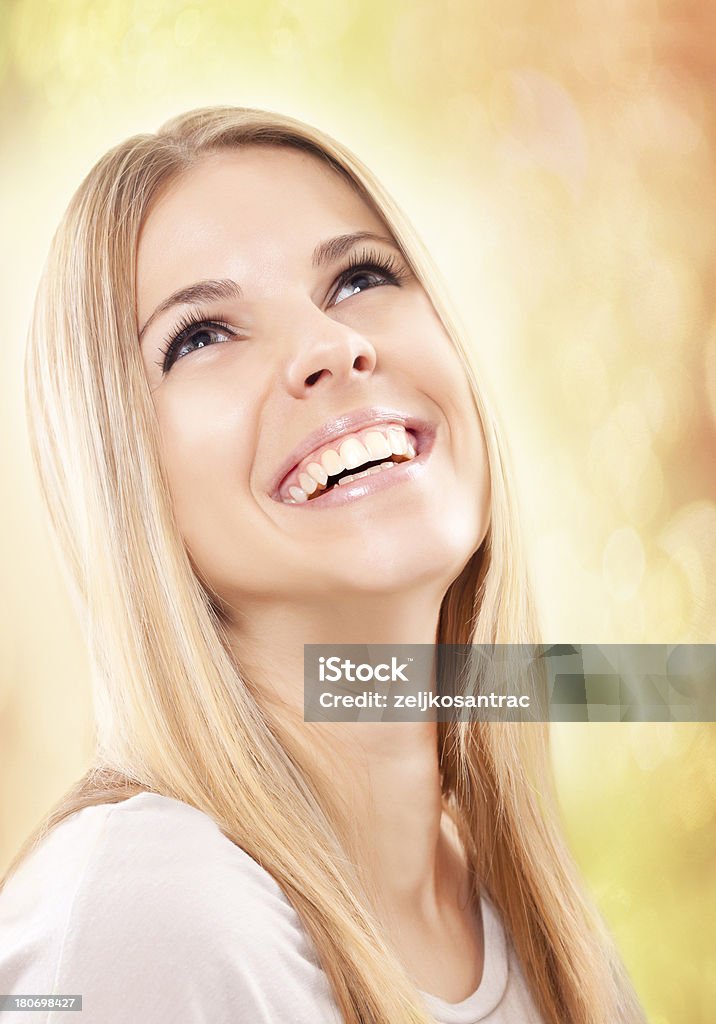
(442,367)
(426,347)
(205,448)
(439,372)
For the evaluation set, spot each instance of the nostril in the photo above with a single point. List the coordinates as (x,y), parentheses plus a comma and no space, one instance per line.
(312,378)
(361,363)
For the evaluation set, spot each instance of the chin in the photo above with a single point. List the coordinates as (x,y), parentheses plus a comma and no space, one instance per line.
(431,561)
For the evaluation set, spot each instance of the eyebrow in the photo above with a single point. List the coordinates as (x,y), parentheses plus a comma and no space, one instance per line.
(324,254)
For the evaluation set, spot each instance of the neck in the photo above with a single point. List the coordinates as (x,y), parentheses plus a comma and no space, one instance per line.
(386,774)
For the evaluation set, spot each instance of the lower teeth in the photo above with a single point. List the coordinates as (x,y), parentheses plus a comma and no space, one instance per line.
(366,472)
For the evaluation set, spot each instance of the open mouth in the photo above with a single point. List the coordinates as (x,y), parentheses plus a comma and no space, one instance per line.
(376,449)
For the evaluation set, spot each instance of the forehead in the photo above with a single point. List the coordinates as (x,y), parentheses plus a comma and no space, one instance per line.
(262,202)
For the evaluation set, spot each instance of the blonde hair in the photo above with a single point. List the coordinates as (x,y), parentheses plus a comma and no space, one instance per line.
(174,713)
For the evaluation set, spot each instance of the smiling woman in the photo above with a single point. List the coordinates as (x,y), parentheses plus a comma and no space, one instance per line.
(325,342)
(256,427)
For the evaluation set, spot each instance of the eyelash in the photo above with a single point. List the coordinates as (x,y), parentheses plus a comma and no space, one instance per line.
(366,260)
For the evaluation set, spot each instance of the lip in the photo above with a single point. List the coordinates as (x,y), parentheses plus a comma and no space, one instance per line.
(350,422)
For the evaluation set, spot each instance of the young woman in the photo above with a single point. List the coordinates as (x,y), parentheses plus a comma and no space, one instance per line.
(234,315)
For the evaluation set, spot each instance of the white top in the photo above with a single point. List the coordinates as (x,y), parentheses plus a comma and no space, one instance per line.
(146,910)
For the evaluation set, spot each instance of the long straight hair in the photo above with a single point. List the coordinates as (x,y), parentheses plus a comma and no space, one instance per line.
(176,715)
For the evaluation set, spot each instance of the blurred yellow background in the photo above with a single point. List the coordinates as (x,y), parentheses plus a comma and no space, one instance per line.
(560,162)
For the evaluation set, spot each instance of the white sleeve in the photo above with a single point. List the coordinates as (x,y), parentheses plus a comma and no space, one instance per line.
(143,952)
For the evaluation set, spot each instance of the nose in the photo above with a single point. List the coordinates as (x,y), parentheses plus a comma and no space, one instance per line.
(328,350)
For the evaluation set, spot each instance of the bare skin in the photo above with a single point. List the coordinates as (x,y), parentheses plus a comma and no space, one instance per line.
(304,348)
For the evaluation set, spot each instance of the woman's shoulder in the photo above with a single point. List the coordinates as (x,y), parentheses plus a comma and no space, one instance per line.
(147,891)
(149,847)
(149,856)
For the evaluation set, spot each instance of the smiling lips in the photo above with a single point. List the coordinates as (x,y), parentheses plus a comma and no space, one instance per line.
(373,450)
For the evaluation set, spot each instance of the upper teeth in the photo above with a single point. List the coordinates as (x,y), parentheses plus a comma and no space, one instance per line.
(377,442)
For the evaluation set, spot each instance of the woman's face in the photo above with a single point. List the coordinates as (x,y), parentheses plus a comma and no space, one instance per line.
(315,349)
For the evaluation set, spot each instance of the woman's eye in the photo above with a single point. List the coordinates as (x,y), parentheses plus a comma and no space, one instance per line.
(200,339)
(359,281)
(187,341)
